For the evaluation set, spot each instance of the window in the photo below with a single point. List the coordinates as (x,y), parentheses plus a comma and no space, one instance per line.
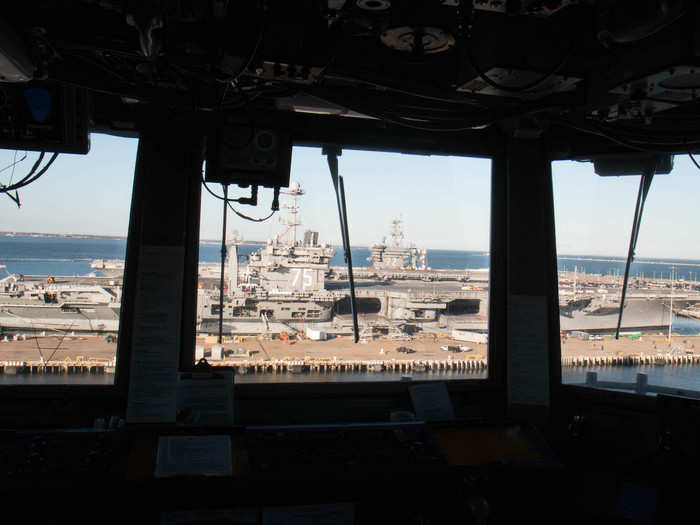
(419,230)
(660,331)
(61,264)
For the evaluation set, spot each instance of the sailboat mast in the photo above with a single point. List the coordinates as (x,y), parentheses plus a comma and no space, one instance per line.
(670,310)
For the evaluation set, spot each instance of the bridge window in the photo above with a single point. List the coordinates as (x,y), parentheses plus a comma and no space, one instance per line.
(61,264)
(419,229)
(659,341)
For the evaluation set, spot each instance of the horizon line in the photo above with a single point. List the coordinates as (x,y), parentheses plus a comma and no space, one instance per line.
(217,241)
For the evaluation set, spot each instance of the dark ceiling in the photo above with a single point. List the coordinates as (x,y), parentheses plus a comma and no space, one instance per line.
(442,76)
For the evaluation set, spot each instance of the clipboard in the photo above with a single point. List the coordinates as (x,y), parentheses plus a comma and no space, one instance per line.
(205,397)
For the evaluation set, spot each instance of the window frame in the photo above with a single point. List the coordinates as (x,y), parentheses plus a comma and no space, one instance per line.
(379,395)
(483,392)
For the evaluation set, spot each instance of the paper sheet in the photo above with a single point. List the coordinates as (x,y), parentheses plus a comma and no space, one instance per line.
(193,456)
(237,515)
(528,353)
(155,342)
(431,401)
(205,398)
(330,514)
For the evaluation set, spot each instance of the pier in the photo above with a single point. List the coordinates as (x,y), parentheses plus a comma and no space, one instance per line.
(662,359)
(422,353)
(96,367)
(360,366)
(277,366)
(281,366)
(356,366)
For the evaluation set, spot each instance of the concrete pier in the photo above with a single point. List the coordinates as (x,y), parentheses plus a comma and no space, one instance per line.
(361,366)
(266,366)
(661,359)
(58,367)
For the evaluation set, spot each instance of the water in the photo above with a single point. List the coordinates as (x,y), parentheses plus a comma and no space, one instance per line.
(684,326)
(681,377)
(686,377)
(57,379)
(647,268)
(69,256)
(56,255)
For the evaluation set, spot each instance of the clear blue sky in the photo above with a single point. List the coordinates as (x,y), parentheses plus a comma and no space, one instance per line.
(443,201)
(594,214)
(425,192)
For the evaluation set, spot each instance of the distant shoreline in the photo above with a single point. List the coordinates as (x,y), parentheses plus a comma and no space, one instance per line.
(562,257)
(40,235)
(60,235)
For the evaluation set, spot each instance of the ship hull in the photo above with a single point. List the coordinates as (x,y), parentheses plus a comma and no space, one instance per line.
(648,314)
(94,319)
(638,314)
(416,302)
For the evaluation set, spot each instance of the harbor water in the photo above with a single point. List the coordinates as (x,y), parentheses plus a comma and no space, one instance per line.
(679,377)
(72,256)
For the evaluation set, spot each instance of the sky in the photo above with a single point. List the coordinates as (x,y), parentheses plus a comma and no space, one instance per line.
(594,215)
(426,193)
(444,202)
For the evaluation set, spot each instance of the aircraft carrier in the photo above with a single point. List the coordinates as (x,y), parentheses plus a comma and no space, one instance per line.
(41,303)
(292,282)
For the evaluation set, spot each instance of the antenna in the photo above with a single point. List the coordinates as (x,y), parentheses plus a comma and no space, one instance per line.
(292,222)
(670,309)
(235,237)
(396,232)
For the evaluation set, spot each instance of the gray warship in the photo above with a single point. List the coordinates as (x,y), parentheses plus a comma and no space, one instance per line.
(60,303)
(395,255)
(291,281)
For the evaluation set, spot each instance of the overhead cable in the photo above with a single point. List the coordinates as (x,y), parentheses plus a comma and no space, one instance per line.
(31,176)
(229,201)
(13,164)
(252,219)
(524,87)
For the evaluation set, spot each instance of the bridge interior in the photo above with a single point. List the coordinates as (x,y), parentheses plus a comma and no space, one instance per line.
(522,83)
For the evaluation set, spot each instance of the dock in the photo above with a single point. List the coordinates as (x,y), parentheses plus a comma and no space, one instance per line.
(58,367)
(634,360)
(360,366)
(424,353)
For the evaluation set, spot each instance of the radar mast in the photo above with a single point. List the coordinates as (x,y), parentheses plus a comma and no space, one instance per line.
(396,232)
(292,222)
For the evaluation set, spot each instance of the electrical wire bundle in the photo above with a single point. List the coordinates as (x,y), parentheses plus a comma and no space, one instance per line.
(675,138)
(30,177)
(660,139)
(414,110)
(234,210)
